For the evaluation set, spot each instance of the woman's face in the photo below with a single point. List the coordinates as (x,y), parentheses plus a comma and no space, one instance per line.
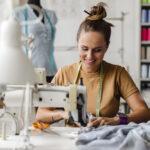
(92,47)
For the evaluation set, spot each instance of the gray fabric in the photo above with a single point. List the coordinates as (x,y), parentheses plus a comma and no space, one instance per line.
(122,137)
(43,44)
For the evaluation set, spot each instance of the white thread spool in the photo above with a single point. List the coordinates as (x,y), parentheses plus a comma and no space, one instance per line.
(144,69)
(3,131)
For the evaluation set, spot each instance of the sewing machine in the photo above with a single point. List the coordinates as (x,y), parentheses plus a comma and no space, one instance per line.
(43,96)
(46,96)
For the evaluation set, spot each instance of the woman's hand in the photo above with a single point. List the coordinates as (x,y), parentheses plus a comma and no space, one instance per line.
(100,121)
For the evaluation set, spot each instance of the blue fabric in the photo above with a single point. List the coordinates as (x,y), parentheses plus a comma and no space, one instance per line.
(43,44)
(122,137)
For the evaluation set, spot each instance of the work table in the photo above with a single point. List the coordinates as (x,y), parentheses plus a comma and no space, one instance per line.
(55,138)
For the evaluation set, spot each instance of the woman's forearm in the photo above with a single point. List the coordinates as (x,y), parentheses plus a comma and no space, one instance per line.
(139,116)
(46,115)
(140,111)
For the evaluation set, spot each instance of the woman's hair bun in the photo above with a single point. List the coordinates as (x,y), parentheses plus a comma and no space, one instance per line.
(97,12)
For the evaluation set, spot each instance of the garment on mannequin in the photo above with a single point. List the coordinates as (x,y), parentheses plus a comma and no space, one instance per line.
(44,32)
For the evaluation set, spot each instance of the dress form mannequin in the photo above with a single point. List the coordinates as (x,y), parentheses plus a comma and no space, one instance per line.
(44,31)
(37,3)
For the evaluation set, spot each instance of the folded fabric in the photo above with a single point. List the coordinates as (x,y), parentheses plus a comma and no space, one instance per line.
(121,137)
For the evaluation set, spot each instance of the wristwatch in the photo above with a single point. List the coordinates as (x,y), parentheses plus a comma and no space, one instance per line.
(123,118)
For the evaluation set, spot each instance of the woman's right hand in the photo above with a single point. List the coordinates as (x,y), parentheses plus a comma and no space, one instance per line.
(100,121)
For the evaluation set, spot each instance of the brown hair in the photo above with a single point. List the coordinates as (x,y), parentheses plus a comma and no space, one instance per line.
(95,22)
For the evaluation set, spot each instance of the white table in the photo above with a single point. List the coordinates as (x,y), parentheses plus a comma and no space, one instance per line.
(54,138)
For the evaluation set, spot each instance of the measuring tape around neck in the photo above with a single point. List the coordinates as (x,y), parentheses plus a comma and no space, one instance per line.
(99,89)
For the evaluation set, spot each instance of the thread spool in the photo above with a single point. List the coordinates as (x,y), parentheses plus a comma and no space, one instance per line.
(144,34)
(144,71)
(144,15)
(148,34)
(148,71)
(148,1)
(148,15)
(144,1)
(3,131)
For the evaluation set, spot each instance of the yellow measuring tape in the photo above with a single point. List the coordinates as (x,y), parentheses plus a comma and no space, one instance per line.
(99,91)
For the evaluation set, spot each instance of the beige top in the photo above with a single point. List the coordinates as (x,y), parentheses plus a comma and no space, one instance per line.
(117,83)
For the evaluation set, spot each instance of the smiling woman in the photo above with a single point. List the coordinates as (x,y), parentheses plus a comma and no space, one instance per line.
(92,48)
(105,82)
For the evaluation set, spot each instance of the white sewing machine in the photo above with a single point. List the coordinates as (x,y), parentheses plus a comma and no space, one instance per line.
(43,96)
(46,96)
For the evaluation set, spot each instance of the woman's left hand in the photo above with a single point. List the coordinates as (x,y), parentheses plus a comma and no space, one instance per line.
(100,121)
